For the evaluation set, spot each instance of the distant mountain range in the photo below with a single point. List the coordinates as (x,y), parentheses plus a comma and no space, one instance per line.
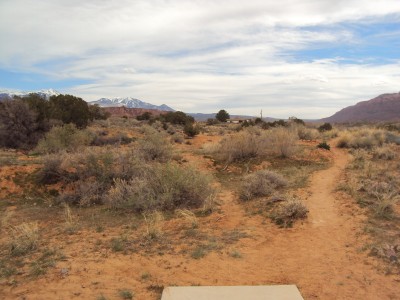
(8,94)
(129,102)
(385,107)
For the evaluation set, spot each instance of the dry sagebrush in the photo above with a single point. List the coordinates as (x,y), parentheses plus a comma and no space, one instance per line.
(260,183)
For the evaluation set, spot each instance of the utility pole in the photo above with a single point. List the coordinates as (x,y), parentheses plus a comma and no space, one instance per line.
(261,115)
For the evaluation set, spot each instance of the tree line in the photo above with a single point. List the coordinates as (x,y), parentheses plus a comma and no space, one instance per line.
(25,120)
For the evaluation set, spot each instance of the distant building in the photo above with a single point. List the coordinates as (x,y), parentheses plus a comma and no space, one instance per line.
(238,120)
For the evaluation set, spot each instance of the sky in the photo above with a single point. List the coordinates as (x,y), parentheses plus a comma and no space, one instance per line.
(303,58)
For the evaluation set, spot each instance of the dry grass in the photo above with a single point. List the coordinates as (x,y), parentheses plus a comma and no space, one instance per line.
(385,153)
(242,145)
(161,187)
(254,142)
(373,180)
(305,133)
(283,141)
(366,138)
(154,145)
(288,212)
(25,238)
(154,224)
(188,216)
(260,183)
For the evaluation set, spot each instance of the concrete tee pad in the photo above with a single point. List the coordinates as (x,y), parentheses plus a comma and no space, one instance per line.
(260,292)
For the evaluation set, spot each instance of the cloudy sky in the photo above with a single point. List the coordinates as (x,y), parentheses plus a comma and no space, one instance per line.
(304,58)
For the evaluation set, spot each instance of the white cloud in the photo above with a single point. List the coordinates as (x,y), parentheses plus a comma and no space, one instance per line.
(198,55)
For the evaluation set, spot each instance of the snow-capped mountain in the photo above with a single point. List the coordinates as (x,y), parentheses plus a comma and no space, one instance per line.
(129,102)
(9,94)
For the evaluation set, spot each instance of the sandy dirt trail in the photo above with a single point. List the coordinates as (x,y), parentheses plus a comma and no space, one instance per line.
(321,255)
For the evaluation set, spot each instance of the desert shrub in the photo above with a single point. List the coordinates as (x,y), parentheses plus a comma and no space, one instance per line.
(288,212)
(90,193)
(260,183)
(384,208)
(212,121)
(18,125)
(191,130)
(120,139)
(67,137)
(324,145)
(153,145)
(25,238)
(92,173)
(158,125)
(384,153)
(96,164)
(177,138)
(144,116)
(282,141)
(51,172)
(242,145)
(308,134)
(98,113)
(325,127)
(162,187)
(362,138)
(344,140)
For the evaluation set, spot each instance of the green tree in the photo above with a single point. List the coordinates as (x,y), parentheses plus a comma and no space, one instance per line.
(98,113)
(222,115)
(177,117)
(70,109)
(325,127)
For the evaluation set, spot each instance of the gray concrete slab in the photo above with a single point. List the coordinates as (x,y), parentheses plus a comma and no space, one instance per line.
(260,292)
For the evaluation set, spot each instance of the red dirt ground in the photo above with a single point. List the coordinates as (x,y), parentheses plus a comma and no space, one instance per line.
(321,255)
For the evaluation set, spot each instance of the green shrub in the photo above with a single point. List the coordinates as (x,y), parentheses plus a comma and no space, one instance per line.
(70,109)
(324,145)
(66,137)
(177,117)
(325,127)
(191,130)
(153,146)
(260,183)
(120,139)
(126,294)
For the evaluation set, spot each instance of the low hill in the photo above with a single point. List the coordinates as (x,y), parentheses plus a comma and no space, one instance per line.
(385,107)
